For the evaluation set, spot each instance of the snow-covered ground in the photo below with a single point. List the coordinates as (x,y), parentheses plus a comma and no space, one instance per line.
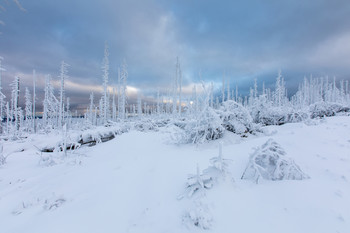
(132,184)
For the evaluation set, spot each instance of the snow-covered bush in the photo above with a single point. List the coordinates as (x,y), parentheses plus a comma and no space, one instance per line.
(273,116)
(236,118)
(271,163)
(322,109)
(162,123)
(205,127)
(265,113)
(297,116)
(145,125)
(198,216)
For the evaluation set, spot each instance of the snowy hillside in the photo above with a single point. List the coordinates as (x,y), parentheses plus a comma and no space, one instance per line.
(133,183)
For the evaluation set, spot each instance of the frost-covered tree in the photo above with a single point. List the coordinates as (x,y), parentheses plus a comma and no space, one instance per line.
(15,102)
(211,95)
(28,108)
(177,90)
(34,102)
(179,80)
(50,104)
(280,94)
(63,77)
(204,124)
(68,114)
(91,109)
(2,97)
(2,157)
(223,89)
(228,90)
(158,103)
(139,105)
(114,107)
(123,87)
(105,70)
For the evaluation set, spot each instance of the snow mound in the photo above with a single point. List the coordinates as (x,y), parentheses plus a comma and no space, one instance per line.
(271,163)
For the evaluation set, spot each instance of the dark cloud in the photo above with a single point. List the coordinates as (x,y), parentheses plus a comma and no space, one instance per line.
(243,39)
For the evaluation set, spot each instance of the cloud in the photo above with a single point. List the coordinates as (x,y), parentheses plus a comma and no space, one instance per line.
(244,39)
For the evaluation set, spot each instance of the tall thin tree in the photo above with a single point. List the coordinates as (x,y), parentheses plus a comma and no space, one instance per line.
(105,69)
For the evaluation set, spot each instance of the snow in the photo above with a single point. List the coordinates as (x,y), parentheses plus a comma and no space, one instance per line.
(132,184)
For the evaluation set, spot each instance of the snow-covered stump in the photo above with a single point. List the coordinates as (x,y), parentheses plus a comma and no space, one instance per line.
(271,163)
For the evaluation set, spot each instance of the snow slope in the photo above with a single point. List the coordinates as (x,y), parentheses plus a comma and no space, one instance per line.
(131,184)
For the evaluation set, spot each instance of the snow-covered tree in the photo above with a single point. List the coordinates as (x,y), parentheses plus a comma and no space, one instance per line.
(139,105)
(28,108)
(50,104)
(228,95)
(280,94)
(105,70)
(15,102)
(63,77)
(223,89)
(123,87)
(158,103)
(91,109)
(179,81)
(34,102)
(2,157)
(2,97)
(114,106)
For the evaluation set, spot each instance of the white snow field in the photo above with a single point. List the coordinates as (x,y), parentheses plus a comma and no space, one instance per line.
(132,184)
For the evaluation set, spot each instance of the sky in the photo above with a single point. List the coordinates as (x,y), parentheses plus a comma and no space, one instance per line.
(241,40)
